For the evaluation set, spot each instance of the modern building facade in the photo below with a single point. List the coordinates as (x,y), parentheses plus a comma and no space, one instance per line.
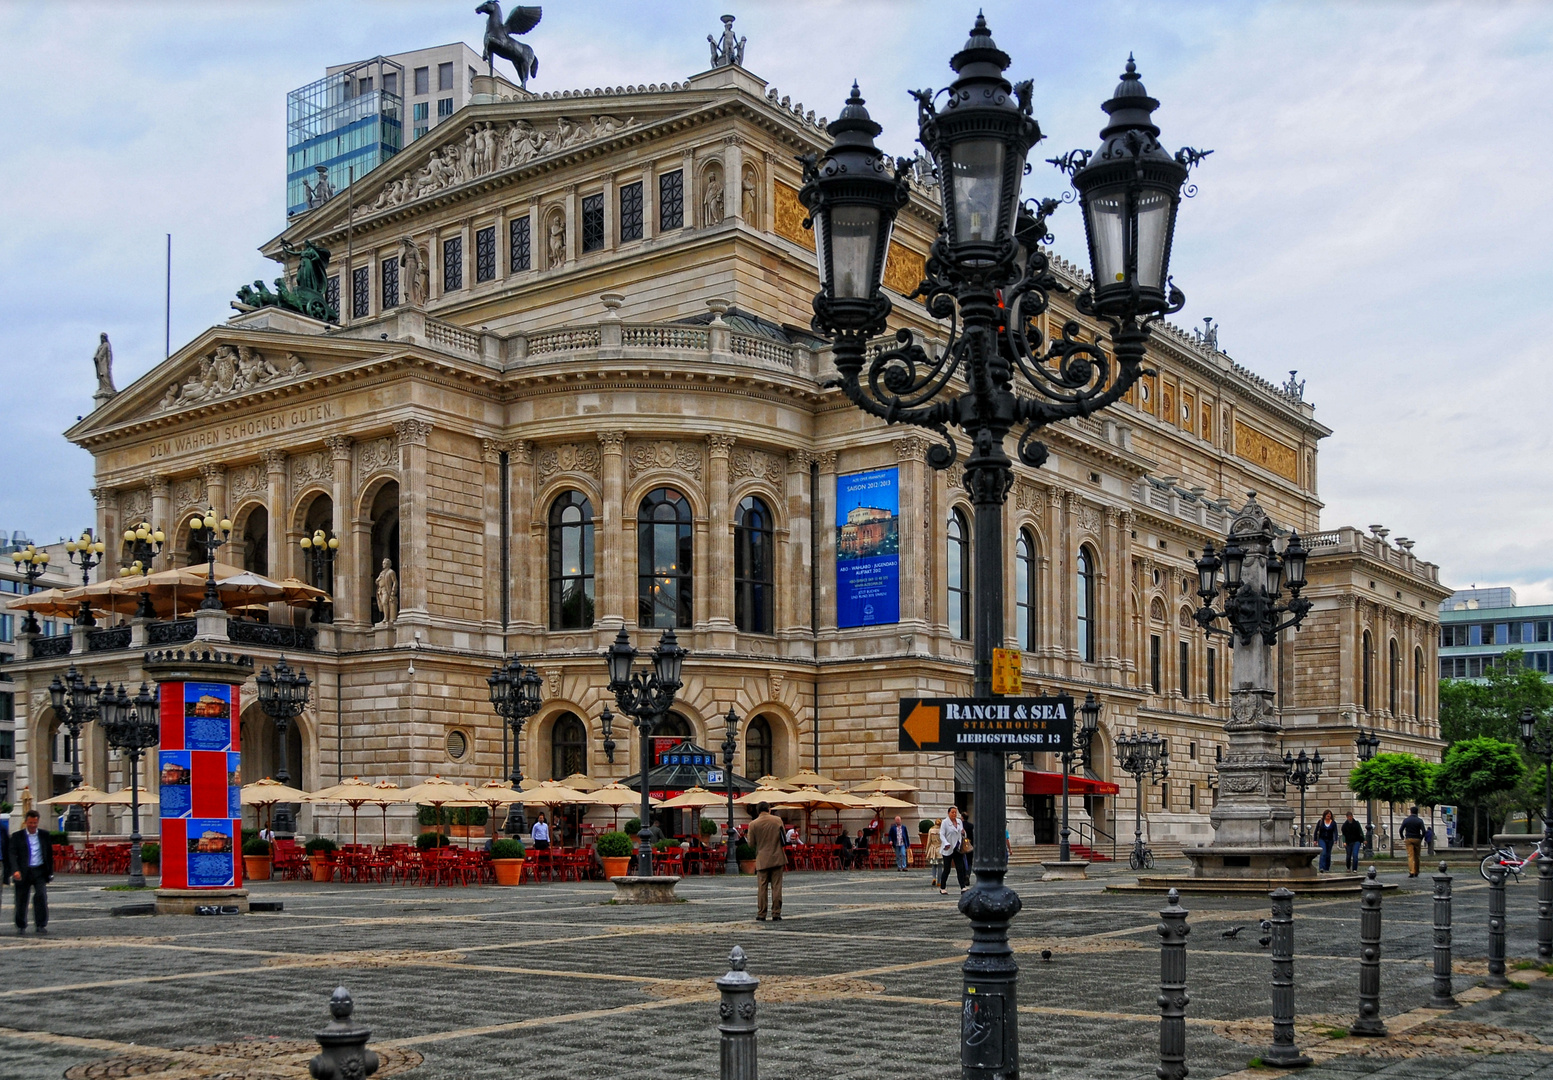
(1478,626)
(573,390)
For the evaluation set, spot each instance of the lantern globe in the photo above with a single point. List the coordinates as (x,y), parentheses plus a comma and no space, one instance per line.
(1294,555)
(1528,726)
(622,654)
(1208,573)
(668,659)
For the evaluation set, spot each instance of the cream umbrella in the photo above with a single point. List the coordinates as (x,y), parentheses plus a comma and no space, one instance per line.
(264,794)
(581,782)
(617,795)
(46,602)
(354,793)
(885,784)
(806,799)
(85,796)
(124,797)
(494,793)
(695,798)
(809,778)
(387,794)
(766,793)
(552,793)
(769,781)
(438,793)
(120,595)
(879,801)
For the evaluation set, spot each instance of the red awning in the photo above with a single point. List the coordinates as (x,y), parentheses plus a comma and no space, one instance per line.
(1050,783)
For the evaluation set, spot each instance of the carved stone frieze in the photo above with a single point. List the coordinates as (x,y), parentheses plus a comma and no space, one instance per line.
(228,371)
(1089,519)
(135,505)
(187,491)
(310,468)
(374,455)
(756,465)
(245,480)
(679,457)
(1029,497)
(569,457)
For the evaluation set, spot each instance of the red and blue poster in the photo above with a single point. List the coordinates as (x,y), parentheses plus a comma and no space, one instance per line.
(200,768)
(868,548)
(177,794)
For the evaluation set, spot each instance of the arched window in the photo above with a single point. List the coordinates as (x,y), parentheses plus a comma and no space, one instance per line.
(663,560)
(1366,672)
(1084,608)
(320,515)
(759,749)
(256,541)
(1024,589)
(571,562)
(958,576)
(754,578)
(568,747)
(385,541)
(1394,678)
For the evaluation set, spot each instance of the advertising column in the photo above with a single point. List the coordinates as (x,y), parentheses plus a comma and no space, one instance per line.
(199,772)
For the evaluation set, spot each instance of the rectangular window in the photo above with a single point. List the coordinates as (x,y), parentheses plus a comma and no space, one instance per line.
(419,111)
(471,78)
(1191,796)
(1501,633)
(1542,631)
(518,245)
(364,86)
(361,297)
(7,628)
(1213,676)
(332,293)
(1474,634)
(444,108)
(1154,662)
(1185,658)
(1191,750)
(671,201)
(445,76)
(389,272)
(631,212)
(7,745)
(423,80)
(453,264)
(485,254)
(1528,633)
(1164,795)
(592,222)
(391,82)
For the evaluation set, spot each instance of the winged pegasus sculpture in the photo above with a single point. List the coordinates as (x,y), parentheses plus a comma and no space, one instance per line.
(501,38)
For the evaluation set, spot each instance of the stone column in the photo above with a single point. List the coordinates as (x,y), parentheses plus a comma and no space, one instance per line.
(215,487)
(793,584)
(413,531)
(1065,557)
(690,191)
(161,510)
(106,528)
(1115,596)
(503,245)
(649,203)
(343,496)
(733,178)
(614,608)
(611,214)
(911,458)
(495,585)
(573,224)
(720,536)
(276,498)
(1351,639)
(1126,630)
(824,502)
(527,562)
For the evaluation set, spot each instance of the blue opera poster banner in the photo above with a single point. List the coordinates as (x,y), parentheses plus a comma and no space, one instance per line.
(868,548)
(211,858)
(234,784)
(207,716)
(177,794)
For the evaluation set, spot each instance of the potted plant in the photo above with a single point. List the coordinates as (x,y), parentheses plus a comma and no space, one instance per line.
(257,859)
(507,861)
(745,852)
(150,858)
(633,828)
(924,826)
(708,828)
(320,850)
(614,850)
(428,840)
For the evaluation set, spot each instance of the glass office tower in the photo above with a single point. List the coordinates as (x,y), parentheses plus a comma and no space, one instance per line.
(348,122)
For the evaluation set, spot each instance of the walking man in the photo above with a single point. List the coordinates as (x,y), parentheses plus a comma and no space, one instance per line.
(1412,831)
(900,840)
(766,833)
(32,868)
(1353,836)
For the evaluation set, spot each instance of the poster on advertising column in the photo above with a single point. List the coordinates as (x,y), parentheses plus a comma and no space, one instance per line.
(868,548)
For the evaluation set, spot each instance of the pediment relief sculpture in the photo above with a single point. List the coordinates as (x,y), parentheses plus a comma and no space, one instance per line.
(228,371)
(489,148)
(677,457)
(572,457)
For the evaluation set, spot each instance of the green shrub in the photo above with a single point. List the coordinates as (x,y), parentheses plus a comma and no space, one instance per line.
(249,834)
(505,849)
(613,845)
(151,853)
(708,827)
(59,836)
(432,839)
(744,852)
(925,826)
(452,815)
(255,847)
(633,826)
(320,845)
(5,807)
(667,845)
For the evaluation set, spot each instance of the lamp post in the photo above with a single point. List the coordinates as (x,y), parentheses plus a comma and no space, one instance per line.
(283,696)
(144,544)
(515,696)
(132,725)
(607,722)
(1082,738)
(988,275)
(77,703)
(646,697)
(319,550)
(1367,745)
(31,564)
(730,746)
(211,533)
(1302,772)
(1541,744)
(85,553)
(1142,754)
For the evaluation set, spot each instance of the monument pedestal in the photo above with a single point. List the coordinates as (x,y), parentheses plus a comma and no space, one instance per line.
(184,901)
(645,890)
(1073,870)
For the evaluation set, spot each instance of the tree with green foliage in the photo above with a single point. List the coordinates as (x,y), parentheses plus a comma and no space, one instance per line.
(1392,778)
(1469,709)
(1476,769)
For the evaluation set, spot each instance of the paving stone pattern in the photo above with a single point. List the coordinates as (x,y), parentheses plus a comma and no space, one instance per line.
(862,982)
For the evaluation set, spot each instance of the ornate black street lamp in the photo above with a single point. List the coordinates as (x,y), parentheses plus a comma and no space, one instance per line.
(85,553)
(646,697)
(283,696)
(1256,610)
(515,696)
(607,722)
(143,544)
(1303,772)
(318,552)
(730,747)
(1142,755)
(77,703)
(989,277)
(1541,745)
(31,564)
(1083,738)
(1367,745)
(211,533)
(132,725)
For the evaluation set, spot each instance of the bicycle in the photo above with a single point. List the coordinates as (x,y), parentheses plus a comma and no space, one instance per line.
(1512,863)
(1142,858)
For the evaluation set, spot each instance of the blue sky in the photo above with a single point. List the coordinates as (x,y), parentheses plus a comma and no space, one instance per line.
(1372,216)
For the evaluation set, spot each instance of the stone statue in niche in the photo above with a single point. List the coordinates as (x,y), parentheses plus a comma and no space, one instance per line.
(102,360)
(712,197)
(557,240)
(412,272)
(749,207)
(388,593)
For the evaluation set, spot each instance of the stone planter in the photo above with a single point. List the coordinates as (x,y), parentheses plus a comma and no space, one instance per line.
(646,890)
(257,867)
(323,869)
(746,866)
(151,869)
(508,871)
(614,867)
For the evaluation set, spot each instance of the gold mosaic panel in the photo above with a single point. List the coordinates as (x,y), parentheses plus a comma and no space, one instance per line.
(904,269)
(789,217)
(1264,450)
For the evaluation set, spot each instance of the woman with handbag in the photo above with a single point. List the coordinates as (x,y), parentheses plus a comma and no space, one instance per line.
(951,841)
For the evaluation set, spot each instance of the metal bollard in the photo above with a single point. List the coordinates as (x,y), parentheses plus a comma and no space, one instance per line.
(1369,1021)
(1172,990)
(1544,908)
(737,1015)
(1496,920)
(344,1055)
(1443,995)
(1283,1052)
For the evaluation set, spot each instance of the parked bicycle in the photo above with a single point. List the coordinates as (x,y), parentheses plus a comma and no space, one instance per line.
(1507,858)
(1142,858)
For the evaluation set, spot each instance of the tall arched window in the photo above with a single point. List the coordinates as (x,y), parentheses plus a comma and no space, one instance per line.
(571,562)
(1394,678)
(385,541)
(663,556)
(958,575)
(320,515)
(1084,607)
(759,748)
(256,541)
(1024,589)
(1366,673)
(568,747)
(754,576)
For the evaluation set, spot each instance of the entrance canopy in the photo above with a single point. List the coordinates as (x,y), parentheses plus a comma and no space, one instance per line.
(686,766)
(1050,783)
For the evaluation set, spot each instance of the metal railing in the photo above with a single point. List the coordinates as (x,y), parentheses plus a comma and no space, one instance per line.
(52,646)
(107,640)
(172,632)
(276,636)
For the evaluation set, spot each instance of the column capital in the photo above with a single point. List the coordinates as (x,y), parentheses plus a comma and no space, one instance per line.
(339,446)
(612,442)
(720,446)
(213,474)
(799,460)
(412,432)
(911,448)
(275,461)
(103,496)
(826,461)
(160,487)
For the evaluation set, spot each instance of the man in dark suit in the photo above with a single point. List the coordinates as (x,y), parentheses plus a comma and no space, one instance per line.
(31,865)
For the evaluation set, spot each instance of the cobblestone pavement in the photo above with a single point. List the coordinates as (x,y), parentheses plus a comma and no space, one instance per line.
(860,980)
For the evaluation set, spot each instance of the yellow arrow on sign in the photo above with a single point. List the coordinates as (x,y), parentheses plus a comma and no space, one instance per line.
(922,724)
